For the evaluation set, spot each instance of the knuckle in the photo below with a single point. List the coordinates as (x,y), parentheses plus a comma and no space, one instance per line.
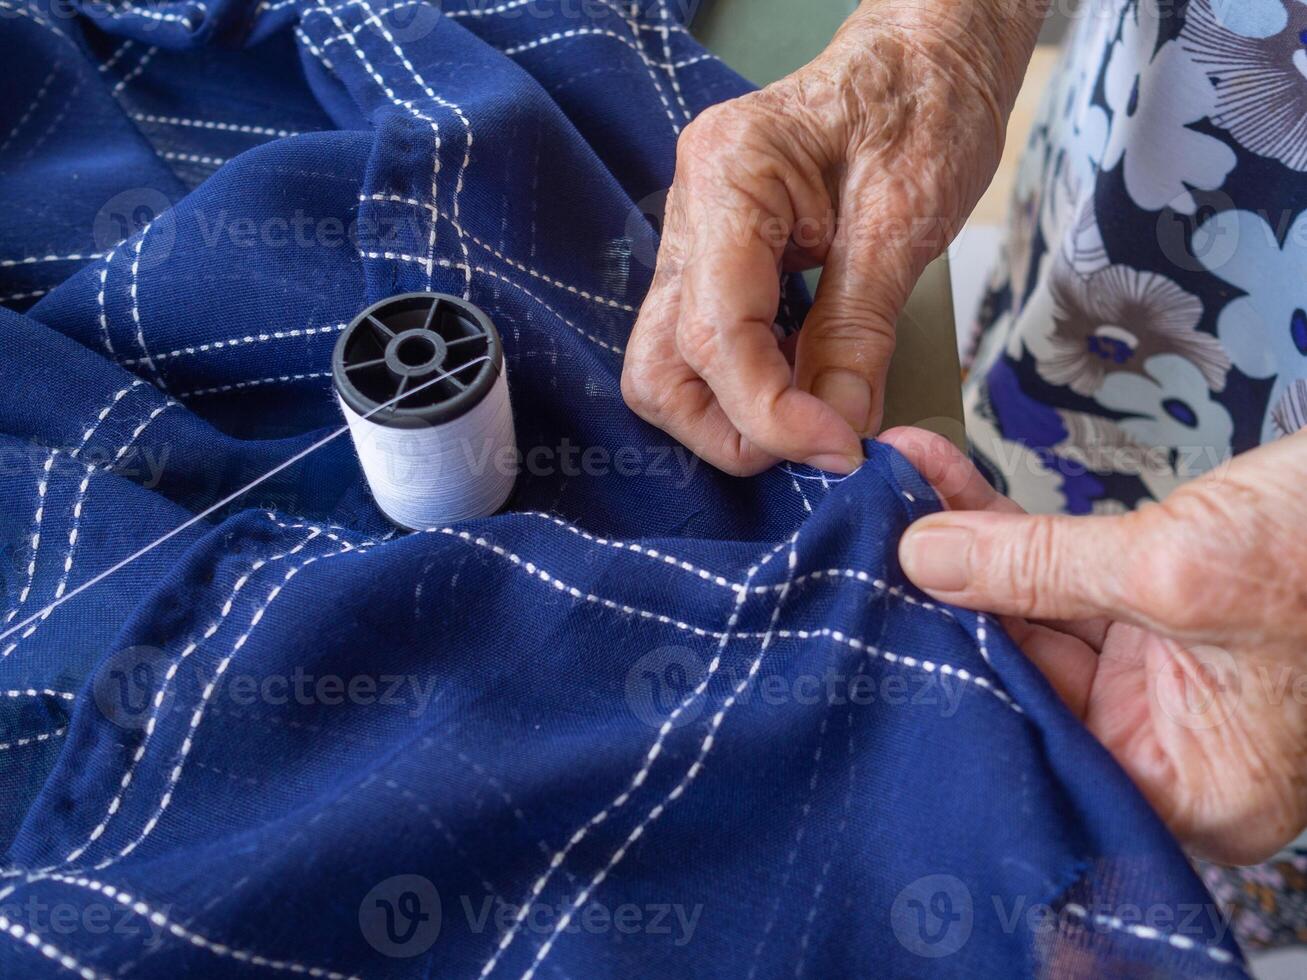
(639,390)
(699,342)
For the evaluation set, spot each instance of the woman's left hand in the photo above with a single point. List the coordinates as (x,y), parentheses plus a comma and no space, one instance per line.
(1177,633)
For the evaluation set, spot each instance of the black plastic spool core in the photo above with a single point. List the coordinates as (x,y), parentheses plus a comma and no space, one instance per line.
(407,340)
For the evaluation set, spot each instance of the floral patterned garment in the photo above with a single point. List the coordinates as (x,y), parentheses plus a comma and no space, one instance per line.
(1150,317)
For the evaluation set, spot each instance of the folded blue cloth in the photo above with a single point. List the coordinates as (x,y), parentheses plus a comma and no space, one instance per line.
(650,721)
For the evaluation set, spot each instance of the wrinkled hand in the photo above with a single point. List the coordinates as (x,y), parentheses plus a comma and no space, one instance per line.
(1177,633)
(865,161)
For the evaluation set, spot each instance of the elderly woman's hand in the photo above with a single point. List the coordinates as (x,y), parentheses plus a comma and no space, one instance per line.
(865,161)
(1177,633)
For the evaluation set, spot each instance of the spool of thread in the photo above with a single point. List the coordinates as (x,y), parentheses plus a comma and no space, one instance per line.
(447,453)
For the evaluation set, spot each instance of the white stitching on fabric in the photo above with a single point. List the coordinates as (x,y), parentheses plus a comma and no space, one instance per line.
(593,297)
(195,939)
(981,637)
(19,743)
(445,103)
(116,56)
(79,500)
(173,667)
(916,663)
(33,259)
(702,573)
(450,264)
(238,385)
(31,108)
(135,73)
(531,568)
(390,94)
(1148,932)
(35,543)
(14,297)
(198,716)
(193,158)
(146,117)
(225,342)
(695,767)
(313,49)
(136,307)
(22,11)
(665,31)
(649,63)
(32,692)
(637,780)
(186,20)
(49,951)
(104,316)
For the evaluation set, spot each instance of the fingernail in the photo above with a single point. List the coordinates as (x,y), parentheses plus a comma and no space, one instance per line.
(938,558)
(834,463)
(847,393)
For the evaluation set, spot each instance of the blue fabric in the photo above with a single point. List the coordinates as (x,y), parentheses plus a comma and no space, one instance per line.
(707,714)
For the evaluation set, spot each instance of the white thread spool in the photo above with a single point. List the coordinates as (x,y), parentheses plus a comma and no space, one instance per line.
(448,453)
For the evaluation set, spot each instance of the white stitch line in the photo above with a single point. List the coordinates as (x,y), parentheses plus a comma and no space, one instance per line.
(31,108)
(259,338)
(411,109)
(362,27)
(104,316)
(450,264)
(815,767)
(593,297)
(40,498)
(238,385)
(35,542)
(637,780)
(665,15)
(836,840)
(36,19)
(161,921)
(531,568)
(981,637)
(33,259)
(186,19)
(136,308)
(690,775)
(575,32)
(915,663)
(80,500)
(116,56)
(198,716)
(1148,932)
(50,952)
(313,49)
(19,743)
(879,584)
(702,573)
(467,146)
(13,297)
(145,117)
(150,726)
(193,158)
(45,692)
(135,72)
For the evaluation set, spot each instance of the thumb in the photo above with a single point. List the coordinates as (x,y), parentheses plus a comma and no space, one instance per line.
(1036,566)
(848,337)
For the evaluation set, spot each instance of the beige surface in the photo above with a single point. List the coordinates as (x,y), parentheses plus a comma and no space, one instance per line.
(992,209)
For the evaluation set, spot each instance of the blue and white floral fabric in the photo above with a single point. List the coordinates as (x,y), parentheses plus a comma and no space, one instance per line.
(1150,319)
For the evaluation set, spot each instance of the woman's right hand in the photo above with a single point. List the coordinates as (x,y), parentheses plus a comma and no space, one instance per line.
(866,161)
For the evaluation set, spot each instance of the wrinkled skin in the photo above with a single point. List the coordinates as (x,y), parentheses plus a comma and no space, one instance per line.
(866,161)
(1177,633)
